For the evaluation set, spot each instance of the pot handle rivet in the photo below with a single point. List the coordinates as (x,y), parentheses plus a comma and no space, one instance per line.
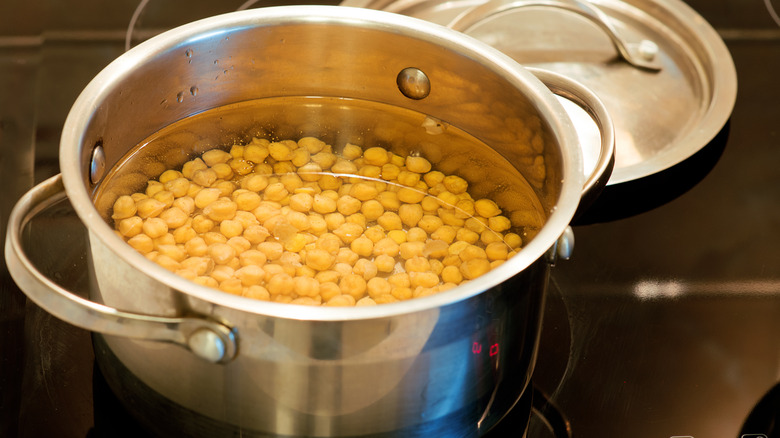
(413,83)
(563,247)
(207,345)
(97,164)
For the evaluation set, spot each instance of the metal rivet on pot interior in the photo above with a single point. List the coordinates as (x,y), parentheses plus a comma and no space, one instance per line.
(97,164)
(413,83)
(207,345)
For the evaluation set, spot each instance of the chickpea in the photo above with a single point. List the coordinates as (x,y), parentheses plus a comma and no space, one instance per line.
(257,292)
(372,210)
(353,285)
(418,164)
(347,256)
(131,226)
(155,227)
(272,250)
(280,284)
(323,204)
(341,301)
(499,223)
(408,250)
(149,207)
(348,205)
(348,232)
(364,191)
(196,247)
(215,156)
(486,208)
(124,207)
(319,259)
(142,243)
(351,151)
(389,200)
(206,196)
(399,236)
(384,263)
(407,178)
(185,204)
(424,279)
(445,233)
(451,274)
(474,268)
(363,246)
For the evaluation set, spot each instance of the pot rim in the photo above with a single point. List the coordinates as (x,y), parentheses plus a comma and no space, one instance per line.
(74,171)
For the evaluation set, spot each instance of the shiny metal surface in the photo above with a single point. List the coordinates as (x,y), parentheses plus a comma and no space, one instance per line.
(190,333)
(313,371)
(640,54)
(661,118)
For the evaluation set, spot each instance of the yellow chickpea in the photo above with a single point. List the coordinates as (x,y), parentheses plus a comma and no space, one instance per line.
(390,172)
(149,207)
(221,209)
(153,187)
(214,237)
(410,195)
(272,250)
(451,274)
(257,292)
(319,259)
(131,226)
(430,223)
(475,224)
(347,257)
(247,201)
(400,279)
(341,301)
(486,208)
(365,268)
(474,268)
(351,151)
(189,168)
(185,204)
(417,264)
(466,235)
(423,279)
(348,205)
(455,184)
(499,223)
(497,251)
(399,236)
(344,167)
(142,243)
(407,178)
(280,284)
(433,177)
(513,240)
(221,253)
(348,232)
(174,217)
(215,156)
(279,151)
(445,233)
(489,236)
(362,246)
(124,207)
(325,160)
(353,285)
(364,191)
(386,246)
(155,227)
(199,265)
(323,204)
(389,200)
(390,221)
(196,247)
(373,210)
(306,286)
(418,164)
(400,294)
(334,220)
(384,263)
(409,250)
(378,286)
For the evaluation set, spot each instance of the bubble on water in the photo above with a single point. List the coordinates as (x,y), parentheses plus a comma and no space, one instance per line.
(194,90)
(180,97)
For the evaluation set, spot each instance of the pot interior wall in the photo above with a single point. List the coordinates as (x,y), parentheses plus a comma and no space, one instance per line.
(230,65)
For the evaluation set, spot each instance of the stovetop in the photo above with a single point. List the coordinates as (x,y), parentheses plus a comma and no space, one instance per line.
(664,323)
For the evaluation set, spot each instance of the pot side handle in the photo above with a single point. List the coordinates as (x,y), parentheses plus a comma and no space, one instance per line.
(587,100)
(207,339)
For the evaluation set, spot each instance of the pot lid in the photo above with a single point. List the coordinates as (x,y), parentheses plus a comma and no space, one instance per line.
(663,73)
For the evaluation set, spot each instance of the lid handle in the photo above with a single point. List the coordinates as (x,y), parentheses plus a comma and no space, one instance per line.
(642,55)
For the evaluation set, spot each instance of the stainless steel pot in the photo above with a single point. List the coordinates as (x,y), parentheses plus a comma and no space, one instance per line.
(446,365)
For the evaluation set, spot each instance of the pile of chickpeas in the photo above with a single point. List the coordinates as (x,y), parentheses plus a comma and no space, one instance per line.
(295,222)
